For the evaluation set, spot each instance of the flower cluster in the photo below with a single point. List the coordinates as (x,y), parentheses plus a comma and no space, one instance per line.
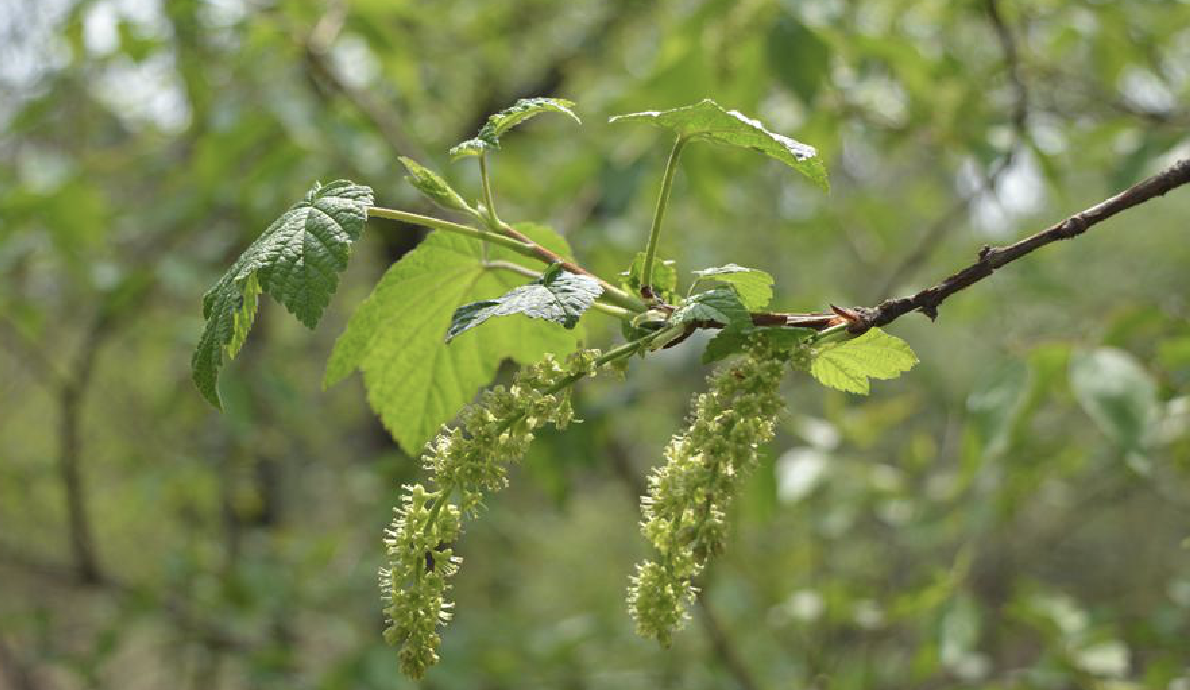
(684,512)
(466,461)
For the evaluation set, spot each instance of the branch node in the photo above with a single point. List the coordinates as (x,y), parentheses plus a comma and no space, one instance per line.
(1074,225)
(985,252)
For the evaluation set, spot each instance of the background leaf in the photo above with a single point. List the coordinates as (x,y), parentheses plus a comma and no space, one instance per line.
(1117,393)
(799,58)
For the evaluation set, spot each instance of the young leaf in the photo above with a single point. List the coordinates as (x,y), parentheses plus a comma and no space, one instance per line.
(848,365)
(296,260)
(755,287)
(558,295)
(707,120)
(498,124)
(434,187)
(721,305)
(665,276)
(471,147)
(520,111)
(415,381)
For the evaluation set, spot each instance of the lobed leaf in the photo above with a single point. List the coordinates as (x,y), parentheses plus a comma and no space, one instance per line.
(707,120)
(296,260)
(755,287)
(415,382)
(434,187)
(558,295)
(848,365)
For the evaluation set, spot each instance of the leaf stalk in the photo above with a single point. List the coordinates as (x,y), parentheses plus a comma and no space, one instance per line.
(667,180)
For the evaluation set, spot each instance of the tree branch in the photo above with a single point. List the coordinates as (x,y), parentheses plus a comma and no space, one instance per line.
(992,258)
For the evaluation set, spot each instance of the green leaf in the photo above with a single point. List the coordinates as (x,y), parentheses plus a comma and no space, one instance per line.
(499,124)
(471,147)
(848,365)
(434,187)
(415,381)
(754,287)
(707,120)
(721,305)
(558,295)
(296,260)
(664,278)
(997,404)
(798,57)
(1117,393)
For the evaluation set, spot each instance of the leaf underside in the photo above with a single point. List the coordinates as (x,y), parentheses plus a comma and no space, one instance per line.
(415,381)
(708,120)
(559,296)
(297,260)
(848,365)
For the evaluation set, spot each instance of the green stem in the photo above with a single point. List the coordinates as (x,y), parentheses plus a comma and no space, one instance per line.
(515,241)
(519,247)
(667,181)
(518,269)
(616,312)
(493,220)
(827,334)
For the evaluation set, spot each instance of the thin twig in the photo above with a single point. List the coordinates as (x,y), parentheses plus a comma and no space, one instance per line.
(70,400)
(992,258)
(722,644)
(387,123)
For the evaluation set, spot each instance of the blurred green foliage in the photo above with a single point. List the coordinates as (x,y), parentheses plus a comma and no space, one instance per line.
(1012,514)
